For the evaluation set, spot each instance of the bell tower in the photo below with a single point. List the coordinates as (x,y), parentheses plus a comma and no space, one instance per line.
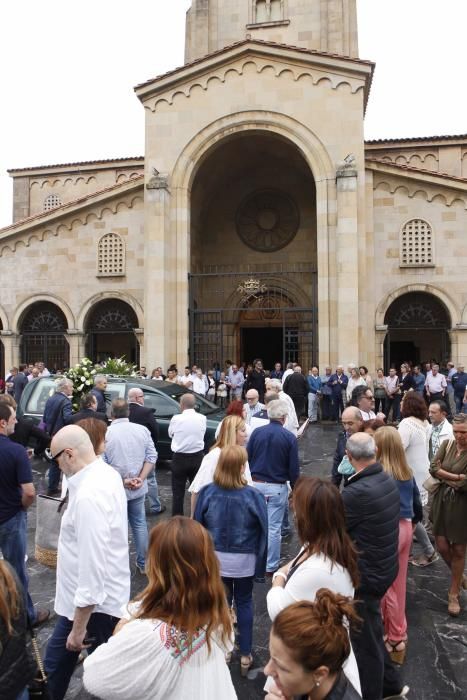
(322,25)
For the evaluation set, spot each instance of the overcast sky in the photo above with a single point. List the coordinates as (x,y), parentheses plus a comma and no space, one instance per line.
(68,72)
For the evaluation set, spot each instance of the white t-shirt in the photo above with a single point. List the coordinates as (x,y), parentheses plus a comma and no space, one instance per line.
(315,573)
(206,471)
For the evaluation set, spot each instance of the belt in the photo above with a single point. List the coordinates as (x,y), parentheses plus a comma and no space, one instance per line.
(260,481)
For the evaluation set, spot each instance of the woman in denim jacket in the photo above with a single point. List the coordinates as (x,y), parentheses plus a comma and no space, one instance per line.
(236,516)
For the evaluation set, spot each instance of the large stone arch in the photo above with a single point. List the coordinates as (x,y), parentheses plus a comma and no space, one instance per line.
(440,294)
(181,180)
(22,309)
(87,307)
(4,323)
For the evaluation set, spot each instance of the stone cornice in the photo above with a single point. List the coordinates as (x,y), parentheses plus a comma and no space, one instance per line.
(79,167)
(415,181)
(40,228)
(337,70)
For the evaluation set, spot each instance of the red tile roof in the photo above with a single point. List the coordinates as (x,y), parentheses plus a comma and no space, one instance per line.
(410,168)
(69,205)
(78,163)
(414,139)
(258,42)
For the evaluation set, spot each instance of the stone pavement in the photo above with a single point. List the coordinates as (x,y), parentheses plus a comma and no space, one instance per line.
(436,662)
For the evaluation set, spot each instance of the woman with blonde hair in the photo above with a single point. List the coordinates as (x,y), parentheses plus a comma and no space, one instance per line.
(17,667)
(236,516)
(233,431)
(391,454)
(173,641)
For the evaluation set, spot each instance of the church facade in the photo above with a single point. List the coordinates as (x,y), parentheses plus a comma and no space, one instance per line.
(258,222)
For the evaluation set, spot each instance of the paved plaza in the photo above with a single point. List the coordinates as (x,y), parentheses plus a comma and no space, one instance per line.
(435,667)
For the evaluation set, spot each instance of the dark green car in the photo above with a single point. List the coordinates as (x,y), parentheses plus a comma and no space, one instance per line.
(162,397)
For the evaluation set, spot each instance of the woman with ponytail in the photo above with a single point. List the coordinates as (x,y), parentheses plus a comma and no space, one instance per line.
(308,646)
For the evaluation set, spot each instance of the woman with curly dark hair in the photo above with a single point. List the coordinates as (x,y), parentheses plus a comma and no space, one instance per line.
(414,433)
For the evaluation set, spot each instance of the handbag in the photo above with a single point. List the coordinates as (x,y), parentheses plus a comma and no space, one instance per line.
(49,515)
(38,688)
(431,484)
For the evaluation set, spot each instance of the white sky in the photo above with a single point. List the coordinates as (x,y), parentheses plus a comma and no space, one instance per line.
(68,72)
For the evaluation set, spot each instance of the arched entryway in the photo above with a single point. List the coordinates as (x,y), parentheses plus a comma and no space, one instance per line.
(418,330)
(43,328)
(253,237)
(110,333)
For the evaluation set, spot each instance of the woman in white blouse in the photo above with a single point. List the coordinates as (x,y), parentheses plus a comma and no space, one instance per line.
(354,380)
(414,431)
(233,432)
(327,559)
(173,640)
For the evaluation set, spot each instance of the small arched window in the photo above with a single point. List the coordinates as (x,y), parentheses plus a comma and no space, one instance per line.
(51,202)
(111,255)
(268,11)
(261,11)
(416,245)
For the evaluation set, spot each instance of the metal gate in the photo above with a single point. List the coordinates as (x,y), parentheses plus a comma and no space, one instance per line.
(224,300)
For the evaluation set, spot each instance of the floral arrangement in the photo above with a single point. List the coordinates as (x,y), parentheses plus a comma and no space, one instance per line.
(82,376)
(118,367)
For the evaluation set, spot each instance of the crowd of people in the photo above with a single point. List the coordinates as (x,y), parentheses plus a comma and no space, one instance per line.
(337,609)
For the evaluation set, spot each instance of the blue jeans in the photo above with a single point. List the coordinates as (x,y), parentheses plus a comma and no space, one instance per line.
(461,407)
(240,590)
(276,502)
(24,695)
(54,476)
(153,492)
(139,528)
(59,662)
(14,543)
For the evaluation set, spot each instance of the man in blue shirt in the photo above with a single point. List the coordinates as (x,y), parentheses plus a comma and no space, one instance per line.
(419,379)
(273,460)
(16,495)
(314,384)
(459,382)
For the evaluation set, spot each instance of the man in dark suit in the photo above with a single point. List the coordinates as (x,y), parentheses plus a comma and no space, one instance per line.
(88,409)
(100,385)
(57,413)
(142,415)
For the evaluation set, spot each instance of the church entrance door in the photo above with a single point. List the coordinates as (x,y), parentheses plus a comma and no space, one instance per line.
(265,343)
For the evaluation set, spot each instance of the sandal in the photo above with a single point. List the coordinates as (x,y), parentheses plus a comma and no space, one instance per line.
(454,607)
(245,664)
(396,650)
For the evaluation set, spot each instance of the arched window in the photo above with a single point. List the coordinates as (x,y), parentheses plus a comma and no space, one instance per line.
(260,11)
(110,331)
(111,256)
(52,201)
(276,11)
(43,339)
(416,245)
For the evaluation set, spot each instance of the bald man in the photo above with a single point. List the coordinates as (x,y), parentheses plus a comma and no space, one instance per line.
(93,574)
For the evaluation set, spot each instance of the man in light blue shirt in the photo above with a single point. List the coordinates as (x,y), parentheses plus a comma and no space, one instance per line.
(130,450)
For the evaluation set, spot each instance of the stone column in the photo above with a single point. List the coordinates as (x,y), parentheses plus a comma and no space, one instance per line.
(159,289)
(380,335)
(75,341)
(458,337)
(11,342)
(139,334)
(347,260)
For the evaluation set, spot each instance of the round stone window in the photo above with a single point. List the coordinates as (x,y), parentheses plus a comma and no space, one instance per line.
(267,221)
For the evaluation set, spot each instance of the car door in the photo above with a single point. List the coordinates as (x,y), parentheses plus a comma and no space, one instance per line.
(164,408)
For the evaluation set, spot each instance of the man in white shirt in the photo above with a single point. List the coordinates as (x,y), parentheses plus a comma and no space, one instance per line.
(187,431)
(93,575)
(440,428)
(186,378)
(291,421)
(435,384)
(288,370)
(200,385)
(253,405)
(393,400)
(130,450)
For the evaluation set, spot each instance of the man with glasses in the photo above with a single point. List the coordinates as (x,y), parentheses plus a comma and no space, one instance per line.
(364,400)
(142,415)
(253,405)
(93,575)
